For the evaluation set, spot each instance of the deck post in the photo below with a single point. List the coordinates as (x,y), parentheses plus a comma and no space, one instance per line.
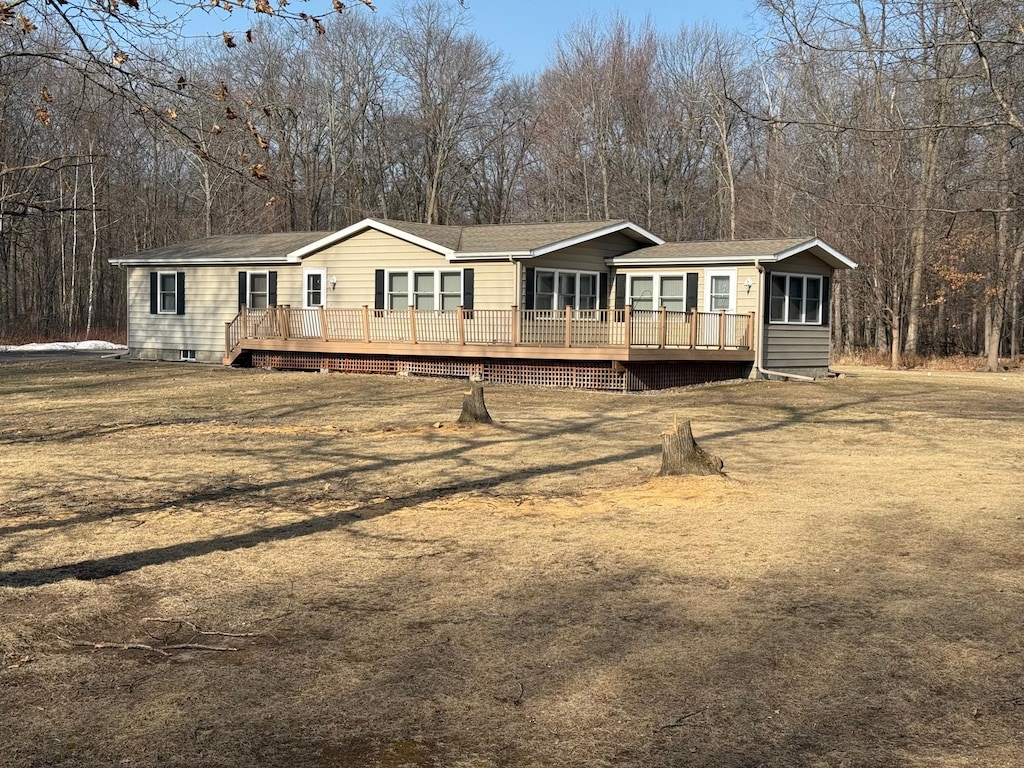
(693,328)
(282,321)
(323,322)
(462,326)
(721,329)
(627,327)
(751,325)
(244,310)
(662,327)
(515,326)
(366,323)
(227,338)
(412,324)
(568,326)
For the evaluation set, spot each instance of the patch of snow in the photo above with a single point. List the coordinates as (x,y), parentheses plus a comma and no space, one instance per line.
(63,346)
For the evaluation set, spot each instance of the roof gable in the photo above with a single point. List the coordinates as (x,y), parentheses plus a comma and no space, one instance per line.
(734,251)
(485,240)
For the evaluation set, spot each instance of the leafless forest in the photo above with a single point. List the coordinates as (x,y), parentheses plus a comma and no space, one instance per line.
(891,129)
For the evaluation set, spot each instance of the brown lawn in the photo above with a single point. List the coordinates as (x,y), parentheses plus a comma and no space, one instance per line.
(402,591)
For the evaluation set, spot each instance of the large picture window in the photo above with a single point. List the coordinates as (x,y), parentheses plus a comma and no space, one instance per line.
(795,299)
(558,289)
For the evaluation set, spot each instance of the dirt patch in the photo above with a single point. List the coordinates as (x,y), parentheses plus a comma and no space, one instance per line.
(402,591)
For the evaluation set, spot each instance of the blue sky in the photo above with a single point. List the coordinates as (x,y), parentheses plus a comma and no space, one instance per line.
(526,30)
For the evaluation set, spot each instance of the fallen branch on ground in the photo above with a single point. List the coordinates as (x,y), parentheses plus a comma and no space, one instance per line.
(151,648)
(196,629)
(681,720)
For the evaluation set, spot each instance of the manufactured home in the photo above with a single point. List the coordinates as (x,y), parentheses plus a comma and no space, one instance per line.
(605,305)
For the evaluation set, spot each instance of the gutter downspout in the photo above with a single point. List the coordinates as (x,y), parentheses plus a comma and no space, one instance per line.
(759,350)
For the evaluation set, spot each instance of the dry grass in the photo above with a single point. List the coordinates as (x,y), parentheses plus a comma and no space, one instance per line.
(524,594)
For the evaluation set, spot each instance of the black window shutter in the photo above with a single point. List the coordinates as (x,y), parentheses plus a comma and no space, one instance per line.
(243,289)
(691,290)
(528,298)
(602,291)
(826,308)
(620,291)
(272,289)
(153,293)
(180,308)
(378,289)
(766,299)
(467,289)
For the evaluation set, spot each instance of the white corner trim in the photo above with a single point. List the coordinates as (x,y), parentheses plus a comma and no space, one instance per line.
(606,230)
(362,226)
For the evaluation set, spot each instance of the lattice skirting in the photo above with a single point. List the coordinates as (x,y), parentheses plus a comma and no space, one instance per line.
(632,377)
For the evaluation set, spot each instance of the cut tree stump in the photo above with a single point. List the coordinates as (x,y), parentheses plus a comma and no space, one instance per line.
(680,454)
(474,411)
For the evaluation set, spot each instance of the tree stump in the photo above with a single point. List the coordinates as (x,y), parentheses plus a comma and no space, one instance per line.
(680,454)
(473,409)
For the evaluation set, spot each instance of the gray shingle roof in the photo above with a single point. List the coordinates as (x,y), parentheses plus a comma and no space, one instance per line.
(219,249)
(490,238)
(499,238)
(739,249)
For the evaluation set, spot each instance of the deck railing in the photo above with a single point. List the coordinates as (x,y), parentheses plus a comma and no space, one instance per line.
(659,328)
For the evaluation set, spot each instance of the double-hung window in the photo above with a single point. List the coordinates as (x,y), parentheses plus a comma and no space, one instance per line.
(641,294)
(259,290)
(424,289)
(662,290)
(168,293)
(795,299)
(558,289)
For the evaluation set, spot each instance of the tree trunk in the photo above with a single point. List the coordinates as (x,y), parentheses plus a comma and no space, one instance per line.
(894,349)
(473,409)
(680,454)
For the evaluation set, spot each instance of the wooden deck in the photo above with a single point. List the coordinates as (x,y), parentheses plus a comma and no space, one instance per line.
(623,335)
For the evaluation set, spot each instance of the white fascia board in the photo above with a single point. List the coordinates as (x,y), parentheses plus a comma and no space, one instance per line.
(129,261)
(361,226)
(607,230)
(628,260)
(832,257)
(488,256)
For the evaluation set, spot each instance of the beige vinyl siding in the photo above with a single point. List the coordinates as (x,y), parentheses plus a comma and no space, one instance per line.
(211,300)
(355,261)
(795,347)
